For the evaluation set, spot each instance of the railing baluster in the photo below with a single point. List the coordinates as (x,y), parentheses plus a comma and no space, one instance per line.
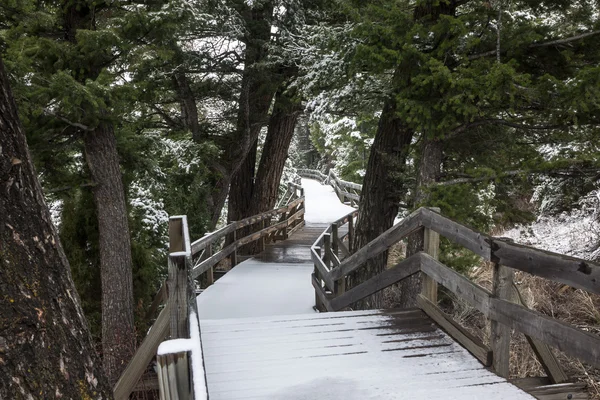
(502,282)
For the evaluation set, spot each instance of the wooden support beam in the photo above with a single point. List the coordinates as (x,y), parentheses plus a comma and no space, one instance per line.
(403,269)
(457,332)
(502,282)
(431,246)
(545,356)
(142,357)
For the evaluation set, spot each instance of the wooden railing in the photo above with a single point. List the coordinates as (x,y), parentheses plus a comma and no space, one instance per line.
(189,261)
(346,191)
(333,265)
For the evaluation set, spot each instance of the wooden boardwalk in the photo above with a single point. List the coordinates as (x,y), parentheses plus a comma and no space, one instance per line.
(284,353)
(343,355)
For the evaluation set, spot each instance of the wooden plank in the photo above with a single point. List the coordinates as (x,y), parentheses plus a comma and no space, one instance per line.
(502,282)
(178,296)
(475,295)
(431,246)
(574,342)
(142,357)
(321,295)
(545,356)
(175,235)
(571,391)
(207,240)
(341,246)
(386,278)
(571,271)
(469,238)
(462,336)
(322,268)
(296,228)
(378,246)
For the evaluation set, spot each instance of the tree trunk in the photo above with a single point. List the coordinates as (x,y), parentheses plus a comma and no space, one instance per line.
(275,152)
(187,101)
(118,331)
(428,172)
(383,188)
(100,146)
(45,345)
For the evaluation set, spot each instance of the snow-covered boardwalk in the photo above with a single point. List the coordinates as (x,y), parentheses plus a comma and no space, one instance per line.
(277,281)
(261,338)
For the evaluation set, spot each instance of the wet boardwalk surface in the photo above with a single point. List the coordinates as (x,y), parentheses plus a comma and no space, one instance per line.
(274,282)
(296,249)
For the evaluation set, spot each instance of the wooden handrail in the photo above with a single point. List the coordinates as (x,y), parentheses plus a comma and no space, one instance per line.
(344,189)
(575,272)
(181,287)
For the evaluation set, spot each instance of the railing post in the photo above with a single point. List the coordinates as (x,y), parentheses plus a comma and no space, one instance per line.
(340,284)
(350,233)
(327,250)
(233,257)
(502,282)
(180,294)
(431,246)
(210,274)
(178,280)
(318,305)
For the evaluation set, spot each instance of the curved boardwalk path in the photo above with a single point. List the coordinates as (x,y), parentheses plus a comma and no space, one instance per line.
(261,338)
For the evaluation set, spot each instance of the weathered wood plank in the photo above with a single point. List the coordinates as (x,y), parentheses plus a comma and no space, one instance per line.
(502,282)
(142,357)
(462,336)
(388,277)
(431,246)
(469,238)
(574,342)
(556,267)
(322,268)
(178,296)
(209,239)
(378,246)
(475,295)
(545,356)
(322,296)
(571,391)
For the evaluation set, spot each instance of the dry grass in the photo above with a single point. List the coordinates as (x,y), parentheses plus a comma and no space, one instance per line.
(575,307)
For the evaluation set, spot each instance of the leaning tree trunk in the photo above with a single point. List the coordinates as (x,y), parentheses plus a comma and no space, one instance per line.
(428,172)
(274,154)
(383,188)
(118,331)
(45,344)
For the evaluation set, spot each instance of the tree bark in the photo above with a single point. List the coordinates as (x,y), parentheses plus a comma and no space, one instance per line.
(118,331)
(45,344)
(275,152)
(383,188)
(428,172)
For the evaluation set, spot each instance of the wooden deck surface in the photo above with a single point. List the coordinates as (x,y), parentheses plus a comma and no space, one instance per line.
(344,355)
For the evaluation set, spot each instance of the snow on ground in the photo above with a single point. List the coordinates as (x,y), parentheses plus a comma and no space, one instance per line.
(575,234)
(322,204)
(254,288)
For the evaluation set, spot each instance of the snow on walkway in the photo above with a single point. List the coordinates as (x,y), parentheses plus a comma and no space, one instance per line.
(255,288)
(322,204)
